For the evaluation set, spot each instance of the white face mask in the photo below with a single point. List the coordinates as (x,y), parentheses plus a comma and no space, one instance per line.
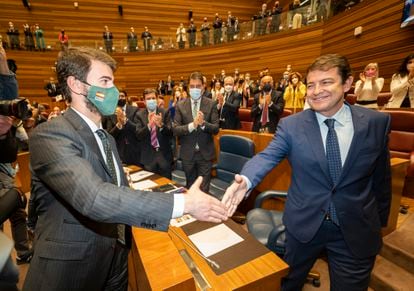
(228,88)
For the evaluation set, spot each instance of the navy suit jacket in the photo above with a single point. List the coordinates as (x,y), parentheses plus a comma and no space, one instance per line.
(362,194)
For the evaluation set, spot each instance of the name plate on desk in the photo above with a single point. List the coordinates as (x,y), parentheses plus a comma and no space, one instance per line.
(232,257)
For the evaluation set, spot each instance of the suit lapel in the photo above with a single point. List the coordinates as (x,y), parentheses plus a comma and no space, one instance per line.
(312,132)
(86,134)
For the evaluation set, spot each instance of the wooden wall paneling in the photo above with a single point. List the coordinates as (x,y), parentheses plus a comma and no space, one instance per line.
(382,39)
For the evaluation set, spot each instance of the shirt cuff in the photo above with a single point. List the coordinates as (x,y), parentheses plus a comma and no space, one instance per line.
(249,185)
(191,127)
(178,209)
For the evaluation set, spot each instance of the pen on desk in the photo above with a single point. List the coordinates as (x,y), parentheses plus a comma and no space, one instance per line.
(210,261)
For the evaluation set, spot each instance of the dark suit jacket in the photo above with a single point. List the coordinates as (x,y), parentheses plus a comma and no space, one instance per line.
(202,137)
(164,136)
(77,228)
(275,111)
(127,143)
(362,194)
(229,113)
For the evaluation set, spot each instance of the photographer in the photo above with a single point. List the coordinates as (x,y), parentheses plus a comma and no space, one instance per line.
(12,202)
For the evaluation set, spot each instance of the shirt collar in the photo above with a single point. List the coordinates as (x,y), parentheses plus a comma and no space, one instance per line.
(88,121)
(341,116)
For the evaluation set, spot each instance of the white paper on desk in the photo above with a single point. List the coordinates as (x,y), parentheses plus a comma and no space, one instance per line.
(215,239)
(140,175)
(144,185)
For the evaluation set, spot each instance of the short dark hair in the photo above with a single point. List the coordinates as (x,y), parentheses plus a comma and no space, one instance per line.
(76,62)
(149,91)
(123,91)
(196,76)
(329,61)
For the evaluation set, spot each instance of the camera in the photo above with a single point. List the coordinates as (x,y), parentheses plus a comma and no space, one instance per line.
(18,108)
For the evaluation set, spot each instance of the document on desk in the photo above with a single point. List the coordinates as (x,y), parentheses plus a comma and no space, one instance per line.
(138,176)
(215,239)
(144,184)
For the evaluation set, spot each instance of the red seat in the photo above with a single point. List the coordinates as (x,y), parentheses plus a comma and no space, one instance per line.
(401,143)
(245,119)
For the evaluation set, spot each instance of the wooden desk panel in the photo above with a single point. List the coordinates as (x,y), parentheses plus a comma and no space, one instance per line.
(398,172)
(262,273)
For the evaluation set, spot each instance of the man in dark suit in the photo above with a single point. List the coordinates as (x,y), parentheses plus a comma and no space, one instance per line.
(84,202)
(228,105)
(340,192)
(52,88)
(196,121)
(121,126)
(154,130)
(267,107)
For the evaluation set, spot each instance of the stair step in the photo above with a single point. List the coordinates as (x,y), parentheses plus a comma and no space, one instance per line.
(388,276)
(399,245)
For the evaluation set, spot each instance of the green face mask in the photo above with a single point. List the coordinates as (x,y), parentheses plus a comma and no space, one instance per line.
(105,99)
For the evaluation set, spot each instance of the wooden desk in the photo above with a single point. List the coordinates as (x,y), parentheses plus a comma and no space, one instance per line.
(155,264)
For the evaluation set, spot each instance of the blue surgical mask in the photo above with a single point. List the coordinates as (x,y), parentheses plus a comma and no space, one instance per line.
(151,104)
(195,93)
(104,99)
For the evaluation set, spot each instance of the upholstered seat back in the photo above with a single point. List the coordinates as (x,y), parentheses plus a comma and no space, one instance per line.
(235,151)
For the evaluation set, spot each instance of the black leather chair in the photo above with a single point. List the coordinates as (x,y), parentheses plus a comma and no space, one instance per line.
(235,151)
(267,227)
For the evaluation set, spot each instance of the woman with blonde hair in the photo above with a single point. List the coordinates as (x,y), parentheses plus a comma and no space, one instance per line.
(368,87)
(295,92)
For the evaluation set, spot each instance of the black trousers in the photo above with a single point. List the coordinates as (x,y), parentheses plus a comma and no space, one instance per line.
(198,166)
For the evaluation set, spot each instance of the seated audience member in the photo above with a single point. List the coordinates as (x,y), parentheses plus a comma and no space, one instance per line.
(55,113)
(52,88)
(176,96)
(121,126)
(295,92)
(247,89)
(154,130)
(283,82)
(369,86)
(161,87)
(267,107)
(217,90)
(228,106)
(402,85)
(168,86)
(206,92)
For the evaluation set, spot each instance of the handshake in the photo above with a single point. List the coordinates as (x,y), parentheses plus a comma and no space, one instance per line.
(207,208)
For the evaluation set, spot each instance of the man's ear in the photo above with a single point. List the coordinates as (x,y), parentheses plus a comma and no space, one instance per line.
(348,83)
(74,84)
